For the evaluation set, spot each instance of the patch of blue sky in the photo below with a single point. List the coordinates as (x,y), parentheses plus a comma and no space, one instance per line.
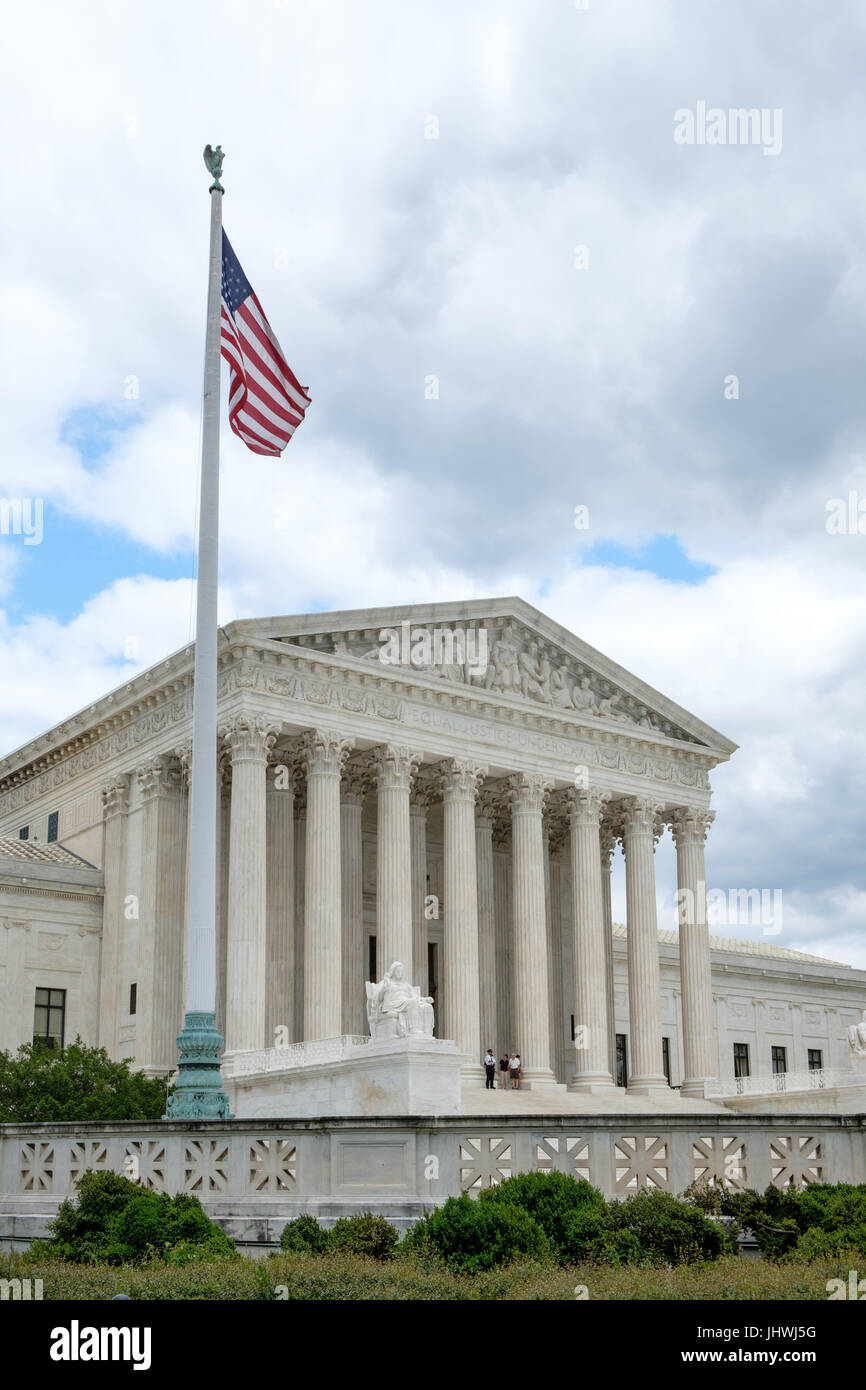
(662,555)
(93,429)
(77,560)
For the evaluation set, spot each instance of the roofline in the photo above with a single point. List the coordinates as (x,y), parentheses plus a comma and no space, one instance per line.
(466,609)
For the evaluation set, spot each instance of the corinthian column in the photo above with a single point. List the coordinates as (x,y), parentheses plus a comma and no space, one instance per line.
(161,924)
(323,980)
(115,805)
(646,1070)
(700,1064)
(249,740)
(592,1061)
(461,1022)
(394,770)
(419,801)
(531,1000)
(607,843)
(486,922)
(352,896)
(280,799)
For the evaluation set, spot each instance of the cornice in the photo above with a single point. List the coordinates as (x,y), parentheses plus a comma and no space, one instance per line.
(139,711)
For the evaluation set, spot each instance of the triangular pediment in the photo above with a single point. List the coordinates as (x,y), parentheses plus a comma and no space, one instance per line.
(503,647)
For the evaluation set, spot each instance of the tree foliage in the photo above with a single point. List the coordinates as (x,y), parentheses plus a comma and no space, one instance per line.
(41,1084)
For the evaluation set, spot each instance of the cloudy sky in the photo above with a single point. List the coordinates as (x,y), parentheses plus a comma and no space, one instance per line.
(513,291)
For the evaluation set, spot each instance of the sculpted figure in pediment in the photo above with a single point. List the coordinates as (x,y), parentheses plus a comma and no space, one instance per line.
(561,689)
(584,696)
(503,672)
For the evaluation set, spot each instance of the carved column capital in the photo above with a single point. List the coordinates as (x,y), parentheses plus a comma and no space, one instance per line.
(357,777)
(326,752)
(249,738)
(461,778)
(586,805)
(395,766)
(690,824)
(529,791)
(159,776)
(115,797)
(486,808)
(640,816)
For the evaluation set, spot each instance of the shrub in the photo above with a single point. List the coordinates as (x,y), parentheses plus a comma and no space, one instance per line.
(469,1236)
(817,1220)
(658,1228)
(551,1199)
(363,1235)
(304,1235)
(118,1222)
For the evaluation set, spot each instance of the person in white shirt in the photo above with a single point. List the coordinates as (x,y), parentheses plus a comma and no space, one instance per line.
(490,1071)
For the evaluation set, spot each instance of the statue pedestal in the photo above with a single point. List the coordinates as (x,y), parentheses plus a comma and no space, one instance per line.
(346,1077)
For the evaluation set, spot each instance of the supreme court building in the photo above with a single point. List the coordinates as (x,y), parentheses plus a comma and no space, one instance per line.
(444,786)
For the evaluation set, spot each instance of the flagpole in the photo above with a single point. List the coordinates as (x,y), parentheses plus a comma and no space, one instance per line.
(198,1091)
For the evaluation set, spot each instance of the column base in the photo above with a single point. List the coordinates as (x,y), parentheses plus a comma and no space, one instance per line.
(198,1092)
(696,1088)
(648,1086)
(595,1085)
(535,1078)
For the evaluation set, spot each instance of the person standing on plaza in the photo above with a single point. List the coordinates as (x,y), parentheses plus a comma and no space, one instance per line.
(490,1071)
(514,1068)
(503,1071)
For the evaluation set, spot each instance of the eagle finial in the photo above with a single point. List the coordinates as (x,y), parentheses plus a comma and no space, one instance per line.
(213,159)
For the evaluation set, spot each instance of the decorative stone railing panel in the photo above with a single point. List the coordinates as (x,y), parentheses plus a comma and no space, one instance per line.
(253,1176)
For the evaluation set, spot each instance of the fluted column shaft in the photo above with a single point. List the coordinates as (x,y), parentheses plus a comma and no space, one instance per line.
(300,915)
(607,843)
(592,1061)
(394,769)
(224,816)
(700,1064)
(249,741)
(502,875)
(115,803)
(280,1003)
(486,927)
(161,916)
(461,989)
(646,1071)
(418,850)
(352,896)
(323,933)
(531,999)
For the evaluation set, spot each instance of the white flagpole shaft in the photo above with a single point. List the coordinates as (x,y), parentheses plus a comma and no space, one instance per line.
(201,958)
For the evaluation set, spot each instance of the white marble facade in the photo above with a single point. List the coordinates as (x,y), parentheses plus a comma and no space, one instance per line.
(450,780)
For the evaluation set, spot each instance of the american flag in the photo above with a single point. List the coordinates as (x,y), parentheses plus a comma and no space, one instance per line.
(266,401)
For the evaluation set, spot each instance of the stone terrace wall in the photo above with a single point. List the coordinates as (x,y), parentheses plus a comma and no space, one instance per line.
(253,1176)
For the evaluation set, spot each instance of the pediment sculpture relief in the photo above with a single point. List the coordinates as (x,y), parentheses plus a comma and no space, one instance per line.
(504,659)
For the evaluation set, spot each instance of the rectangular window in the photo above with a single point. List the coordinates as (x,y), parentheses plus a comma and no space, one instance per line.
(49,1018)
(780,1060)
(371,958)
(666,1058)
(621,1060)
(741,1060)
(133,998)
(24,832)
(53,822)
(816,1059)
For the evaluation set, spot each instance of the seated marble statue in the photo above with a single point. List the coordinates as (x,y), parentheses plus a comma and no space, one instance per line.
(857,1037)
(395,1009)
